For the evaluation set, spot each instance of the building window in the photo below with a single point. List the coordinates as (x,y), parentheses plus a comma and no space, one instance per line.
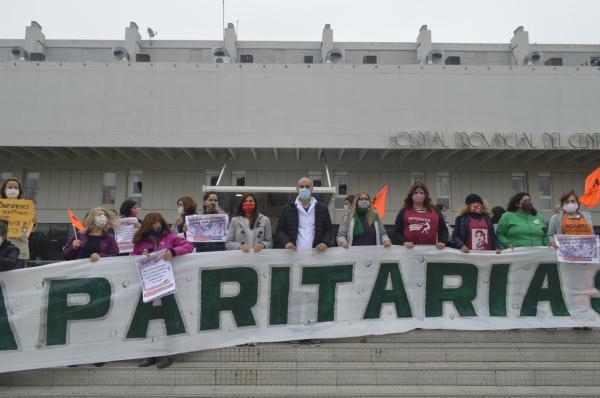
(246,59)
(341,182)
(136,179)
(211,178)
(417,176)
(545,190)
(518,183)
(32,184)
(443,190)
(109,188)
(370,59)
(453,60)
(238,178)
(554,62)
(142,57)
(308,59)
(316,177)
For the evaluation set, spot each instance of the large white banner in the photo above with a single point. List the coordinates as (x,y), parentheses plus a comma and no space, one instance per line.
(78,312)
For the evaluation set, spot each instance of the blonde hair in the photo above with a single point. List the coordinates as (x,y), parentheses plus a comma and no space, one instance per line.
(371,212)
(484,210)
(111,217)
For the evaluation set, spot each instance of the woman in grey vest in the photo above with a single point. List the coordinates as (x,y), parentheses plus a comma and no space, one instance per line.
(248,229)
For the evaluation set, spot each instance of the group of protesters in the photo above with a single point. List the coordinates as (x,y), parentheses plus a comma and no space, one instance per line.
(305,223)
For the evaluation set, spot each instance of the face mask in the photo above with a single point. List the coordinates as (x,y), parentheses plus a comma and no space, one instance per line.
(570,207)
(135,211)
(527,207)
(304,193)
(363,204)
(212,203)
(155,232)
(248,207)
(445,216)
(100,221)
(476,208)
(418,197)
(12,193)
(180,209)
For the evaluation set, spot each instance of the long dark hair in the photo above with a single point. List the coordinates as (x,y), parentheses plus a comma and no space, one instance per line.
(514,201)
(146,226)
(497,213)
(239,211)
(408,201)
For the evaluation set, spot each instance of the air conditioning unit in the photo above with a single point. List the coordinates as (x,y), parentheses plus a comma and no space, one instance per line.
(222,60)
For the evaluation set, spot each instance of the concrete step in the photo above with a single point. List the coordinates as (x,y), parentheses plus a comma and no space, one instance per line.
(565,336)
(317,373)
(302,391)
(401,352)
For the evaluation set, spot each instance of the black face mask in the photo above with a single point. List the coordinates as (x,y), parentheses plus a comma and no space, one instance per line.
(155,232)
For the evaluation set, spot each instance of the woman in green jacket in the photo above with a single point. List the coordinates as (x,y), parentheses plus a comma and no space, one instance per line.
(521,225)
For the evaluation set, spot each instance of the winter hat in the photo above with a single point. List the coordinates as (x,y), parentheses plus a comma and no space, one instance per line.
(472,198)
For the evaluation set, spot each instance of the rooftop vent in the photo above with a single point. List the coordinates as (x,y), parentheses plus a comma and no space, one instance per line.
(19,53)
(120,54)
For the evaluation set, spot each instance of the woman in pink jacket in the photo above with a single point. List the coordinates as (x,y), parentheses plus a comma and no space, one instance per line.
(154,236)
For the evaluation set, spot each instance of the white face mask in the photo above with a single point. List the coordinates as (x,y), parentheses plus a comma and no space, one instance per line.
(180,209)
(12,193)
(100,221)
(570,207)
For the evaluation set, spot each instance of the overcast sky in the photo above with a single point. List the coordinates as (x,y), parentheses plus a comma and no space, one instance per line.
(475,21)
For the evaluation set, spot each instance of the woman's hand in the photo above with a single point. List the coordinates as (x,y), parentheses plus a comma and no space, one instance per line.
(76,244)
(440,245)
(409,245)
(464,249)
(498,251)
(387,243)
(185,228)
(95,257)
(244,247)
(177,222)
(168,256)
(553,245)
(146,252)
(258,247)
(344,245)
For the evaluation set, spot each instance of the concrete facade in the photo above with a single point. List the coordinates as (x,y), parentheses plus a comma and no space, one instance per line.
(85,114)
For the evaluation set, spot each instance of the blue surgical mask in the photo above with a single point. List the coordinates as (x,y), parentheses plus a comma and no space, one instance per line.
(304,193)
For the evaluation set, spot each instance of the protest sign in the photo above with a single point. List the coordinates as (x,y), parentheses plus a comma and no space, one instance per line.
(156,276)
(125,233)
(578,248)
(207,227)
(20,214)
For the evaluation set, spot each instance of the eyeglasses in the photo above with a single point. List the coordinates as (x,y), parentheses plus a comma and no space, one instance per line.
(304,186)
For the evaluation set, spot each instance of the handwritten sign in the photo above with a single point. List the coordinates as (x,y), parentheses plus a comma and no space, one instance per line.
(20,214)
(156,276)
(125,233)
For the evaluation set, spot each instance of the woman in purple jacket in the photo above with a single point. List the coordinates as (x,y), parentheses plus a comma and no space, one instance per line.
(154,236)
(95,242)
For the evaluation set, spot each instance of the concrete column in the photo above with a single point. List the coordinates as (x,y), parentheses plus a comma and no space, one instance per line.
(326,42)
(423,45)
(35,42)
(519,45)
(230,41)
(133,40)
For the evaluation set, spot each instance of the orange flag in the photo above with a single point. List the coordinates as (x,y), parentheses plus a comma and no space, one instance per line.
(75,221)
(379,201)
(591,196)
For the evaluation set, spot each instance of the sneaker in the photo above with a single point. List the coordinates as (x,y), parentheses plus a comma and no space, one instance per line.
(164,362)
(147,362)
